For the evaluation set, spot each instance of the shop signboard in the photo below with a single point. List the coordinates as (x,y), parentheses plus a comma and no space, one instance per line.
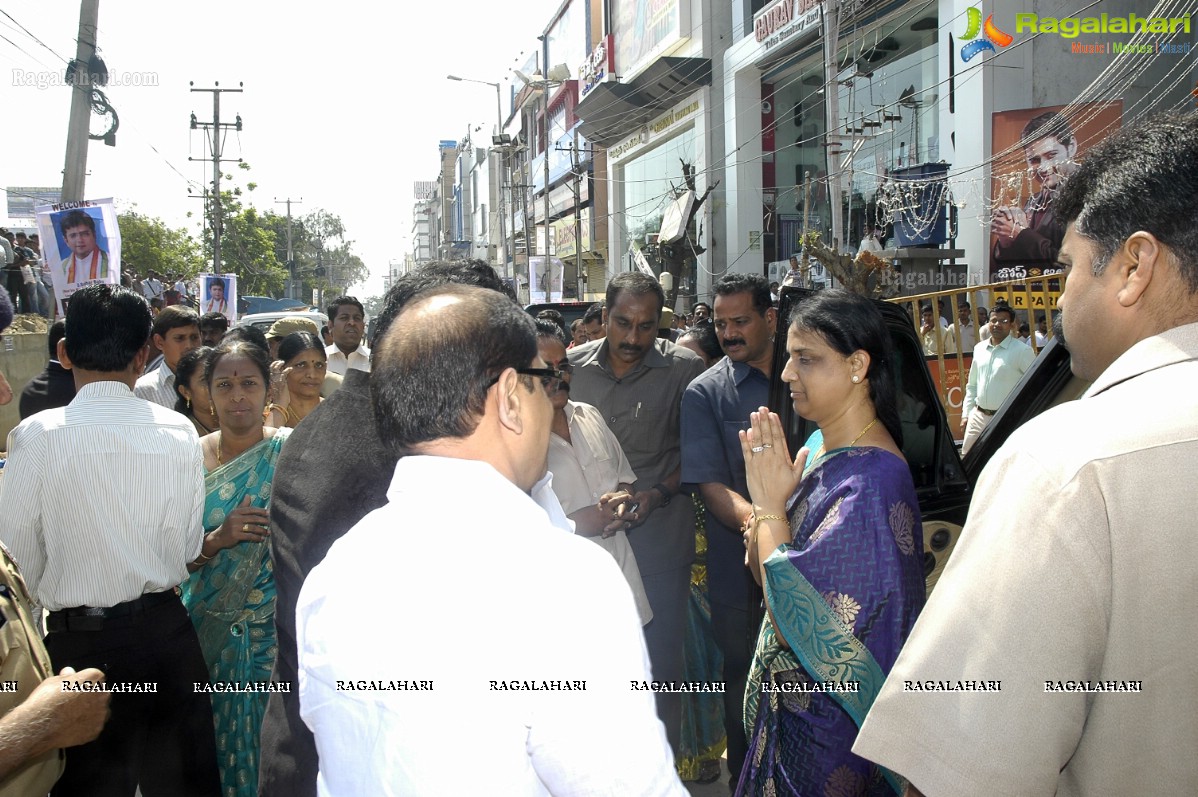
(563,233)
(664,126)
(785,22)
(1034,300)
(599,67)
(643,30)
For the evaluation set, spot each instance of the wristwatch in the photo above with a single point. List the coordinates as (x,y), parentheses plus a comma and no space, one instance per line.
(666,495)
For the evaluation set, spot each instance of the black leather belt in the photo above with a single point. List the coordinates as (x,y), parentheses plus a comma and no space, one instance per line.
(985,411)
(92,618)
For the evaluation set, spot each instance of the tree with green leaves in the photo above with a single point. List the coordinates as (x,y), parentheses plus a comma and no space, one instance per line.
(148,244)
(254,247)
(324,257)
(247,241)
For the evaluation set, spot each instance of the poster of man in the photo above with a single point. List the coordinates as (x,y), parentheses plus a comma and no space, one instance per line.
(546,275)
(1037,150)
(82,245)
(218,294)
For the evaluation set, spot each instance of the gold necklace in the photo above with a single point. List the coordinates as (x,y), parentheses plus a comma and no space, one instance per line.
(220,441)
(868,426)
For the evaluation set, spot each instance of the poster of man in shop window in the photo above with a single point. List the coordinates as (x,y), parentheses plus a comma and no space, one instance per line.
(82,245)
(546,276)
(1036,151)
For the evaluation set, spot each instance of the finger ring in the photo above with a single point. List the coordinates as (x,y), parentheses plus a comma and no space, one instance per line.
(245,527)
(766,445)
(757,449)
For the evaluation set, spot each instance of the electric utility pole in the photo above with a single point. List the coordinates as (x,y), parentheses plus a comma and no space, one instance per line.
(291,281)
(216,130)
(832,105)
(576,171)
(75,169)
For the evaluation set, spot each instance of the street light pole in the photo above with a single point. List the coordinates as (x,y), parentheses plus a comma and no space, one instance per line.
(548,262)
(498,132)
(499,176)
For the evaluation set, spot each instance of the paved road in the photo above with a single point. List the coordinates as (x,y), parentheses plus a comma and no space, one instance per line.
(717,789)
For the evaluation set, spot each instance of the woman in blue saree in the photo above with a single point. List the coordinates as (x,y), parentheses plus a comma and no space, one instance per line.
(231,594)
(836,544)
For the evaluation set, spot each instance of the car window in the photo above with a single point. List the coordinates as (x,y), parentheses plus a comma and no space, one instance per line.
(927,441)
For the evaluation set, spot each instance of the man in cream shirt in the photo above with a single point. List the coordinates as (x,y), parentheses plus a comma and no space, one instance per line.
(1073,583)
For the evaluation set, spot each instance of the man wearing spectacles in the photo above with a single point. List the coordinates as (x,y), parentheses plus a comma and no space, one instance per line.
(534,684)
(999,362)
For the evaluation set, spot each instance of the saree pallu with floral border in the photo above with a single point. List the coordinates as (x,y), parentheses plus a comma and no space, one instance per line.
(843,596)
(232,605)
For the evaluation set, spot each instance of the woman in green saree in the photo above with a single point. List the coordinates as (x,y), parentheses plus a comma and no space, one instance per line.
(231,592)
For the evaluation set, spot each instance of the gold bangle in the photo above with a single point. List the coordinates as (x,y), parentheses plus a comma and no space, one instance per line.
(201,559)
(758,518)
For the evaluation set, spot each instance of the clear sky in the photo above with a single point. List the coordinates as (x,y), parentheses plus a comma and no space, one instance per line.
(344,103)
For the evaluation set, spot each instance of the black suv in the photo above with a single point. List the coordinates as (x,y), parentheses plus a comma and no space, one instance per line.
(944,480)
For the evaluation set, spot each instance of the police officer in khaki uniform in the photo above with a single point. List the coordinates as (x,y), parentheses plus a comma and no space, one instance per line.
(39,715)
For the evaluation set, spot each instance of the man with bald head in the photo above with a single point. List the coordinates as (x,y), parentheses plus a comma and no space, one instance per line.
(527,657)
(333,473)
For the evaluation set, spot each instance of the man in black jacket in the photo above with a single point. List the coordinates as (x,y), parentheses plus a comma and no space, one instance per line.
(332,473)
(53,387)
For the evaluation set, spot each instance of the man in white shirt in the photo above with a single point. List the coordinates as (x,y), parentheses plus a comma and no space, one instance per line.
(1041,331)
(969,332)
(998,365)
(176,331)
(1072,590)
(151,287)
(531,662)
(931,334)
(104,555)
(347,324)
(794,277)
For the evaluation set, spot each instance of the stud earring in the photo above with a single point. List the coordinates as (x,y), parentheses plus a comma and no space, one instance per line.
(856,379)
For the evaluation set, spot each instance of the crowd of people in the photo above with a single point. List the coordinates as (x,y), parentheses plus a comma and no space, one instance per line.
(27,281)
(486,554)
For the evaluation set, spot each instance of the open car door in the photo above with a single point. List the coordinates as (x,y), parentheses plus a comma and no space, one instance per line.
(943,481)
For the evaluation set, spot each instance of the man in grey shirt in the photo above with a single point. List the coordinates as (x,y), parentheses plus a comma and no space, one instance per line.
(637,381)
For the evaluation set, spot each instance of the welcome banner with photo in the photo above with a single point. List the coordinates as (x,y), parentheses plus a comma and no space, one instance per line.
(81,243)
